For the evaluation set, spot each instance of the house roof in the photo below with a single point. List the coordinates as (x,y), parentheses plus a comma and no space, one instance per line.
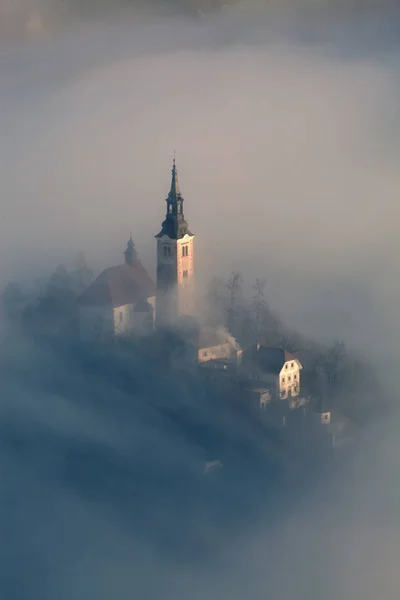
(118,286)
(289,356)
(270,359)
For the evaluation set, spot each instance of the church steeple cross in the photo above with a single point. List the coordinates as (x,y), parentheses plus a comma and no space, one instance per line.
(174,200)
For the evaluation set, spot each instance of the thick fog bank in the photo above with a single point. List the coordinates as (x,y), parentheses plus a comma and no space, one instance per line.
(104,495)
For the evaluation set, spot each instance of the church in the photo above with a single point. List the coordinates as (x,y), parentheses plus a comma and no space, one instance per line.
(124,299)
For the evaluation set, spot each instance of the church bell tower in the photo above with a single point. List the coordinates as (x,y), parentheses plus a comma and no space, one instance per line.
(175,268)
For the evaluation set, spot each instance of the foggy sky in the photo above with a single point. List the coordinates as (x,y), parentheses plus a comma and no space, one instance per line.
(287,149)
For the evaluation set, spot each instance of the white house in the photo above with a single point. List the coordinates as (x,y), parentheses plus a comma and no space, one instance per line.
(121,300)
(275,368)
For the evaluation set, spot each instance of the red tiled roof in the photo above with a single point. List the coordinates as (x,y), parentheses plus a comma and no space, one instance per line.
(119,286)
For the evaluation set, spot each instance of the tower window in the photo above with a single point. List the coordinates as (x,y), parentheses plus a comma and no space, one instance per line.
(185,250)
(120,317)
(167,250)
(170,209)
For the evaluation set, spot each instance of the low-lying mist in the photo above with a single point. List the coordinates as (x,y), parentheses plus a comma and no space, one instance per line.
(287,148)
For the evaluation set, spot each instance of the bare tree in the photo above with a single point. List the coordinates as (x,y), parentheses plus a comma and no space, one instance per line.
(259,304)
(81,275)
(294,394)
(215,302)
(334,363)
(234,286)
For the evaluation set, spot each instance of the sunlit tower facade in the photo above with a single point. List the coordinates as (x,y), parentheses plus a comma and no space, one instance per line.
(175,296)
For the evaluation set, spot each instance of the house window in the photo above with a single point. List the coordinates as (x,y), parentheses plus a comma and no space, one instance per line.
(185,273)
(291,366)
(185,250)
(289,378)
(283,380)
(294,376)
(286,366)
(120,317)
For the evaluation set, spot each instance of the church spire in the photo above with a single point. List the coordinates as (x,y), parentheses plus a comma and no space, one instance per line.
(174,226)
(175,191)
(175,271)
(130,253)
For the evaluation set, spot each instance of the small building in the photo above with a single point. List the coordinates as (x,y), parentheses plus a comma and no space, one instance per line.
(120,301)
(218,346)
(340,429)
(274,368)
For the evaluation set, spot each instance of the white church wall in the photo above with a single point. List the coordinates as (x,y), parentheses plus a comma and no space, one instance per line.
(123,317)
(129,320)
(142,321)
